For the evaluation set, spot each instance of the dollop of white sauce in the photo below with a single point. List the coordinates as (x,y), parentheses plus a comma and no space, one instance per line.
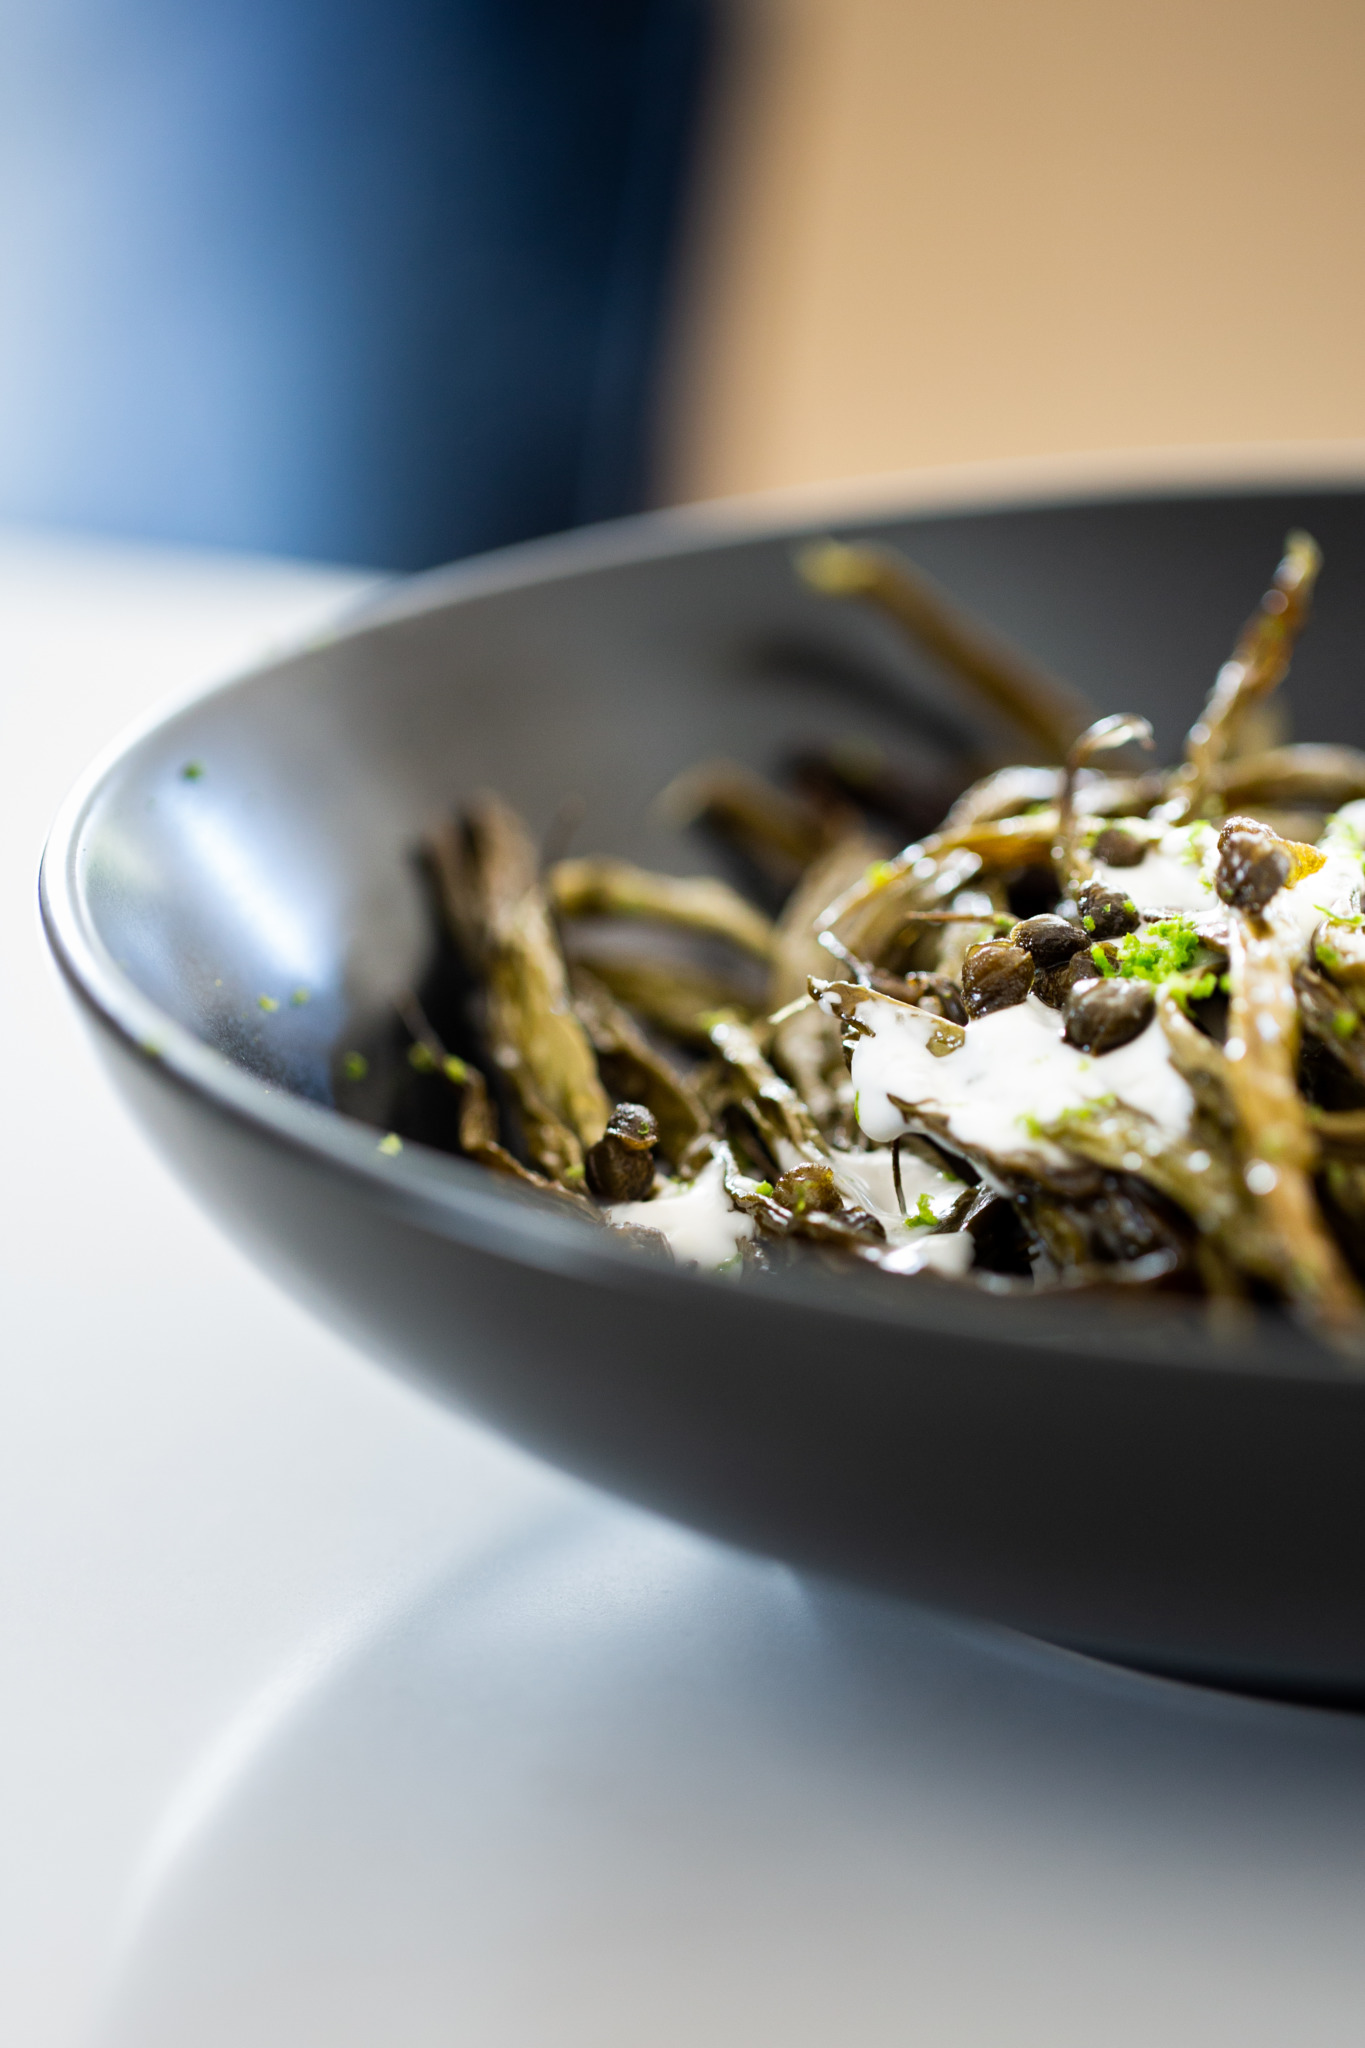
(866,1180)
(950,1255)
(1335,889)
(1177,872)
(701,1223)
(1011,1073)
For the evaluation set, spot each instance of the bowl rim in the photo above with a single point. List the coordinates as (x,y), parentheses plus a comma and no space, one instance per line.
(458,1200)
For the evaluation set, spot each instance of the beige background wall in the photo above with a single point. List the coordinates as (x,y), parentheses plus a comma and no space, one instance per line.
(936,232)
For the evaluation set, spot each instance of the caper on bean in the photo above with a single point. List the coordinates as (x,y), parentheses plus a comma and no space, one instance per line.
(620,1166)
(1119,849)
(1106,913)
(1100,1016)
(809,1186)
(995,976)
(1252,865)
(1050,940)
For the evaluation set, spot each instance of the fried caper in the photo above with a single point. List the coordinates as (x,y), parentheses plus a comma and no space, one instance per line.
(806,1187)
(1054,986)
(1049,939)
(620,1166)
(1119,849)
(1106,913)
(1252,865)
(1103,1015)
(995,976)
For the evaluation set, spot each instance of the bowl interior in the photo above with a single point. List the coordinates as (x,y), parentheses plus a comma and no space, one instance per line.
(250,864)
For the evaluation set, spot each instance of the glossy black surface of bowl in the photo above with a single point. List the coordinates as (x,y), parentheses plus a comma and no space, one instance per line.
(1108,1474)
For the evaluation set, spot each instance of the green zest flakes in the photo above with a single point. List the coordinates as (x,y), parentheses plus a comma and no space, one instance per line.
(355,1066)
(1164,954)
(1161,952)
(391,1145)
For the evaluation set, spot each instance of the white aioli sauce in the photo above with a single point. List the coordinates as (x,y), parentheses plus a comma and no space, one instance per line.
(866,1180)
(950,1255)
(1177,873)
(1011,1072)
(1335,890)
(702,1225)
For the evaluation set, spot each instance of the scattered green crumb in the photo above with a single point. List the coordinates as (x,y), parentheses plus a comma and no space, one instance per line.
(1088,923)
(267,1002)
(573,1174)
(879,874)
(1225,983)
(1102,960)
(1193,988)
(192,771)
(857,1099)
(355,1066)
(1130,906)
(1073,1119)
(1163,952)
(765,1187)
(299,998)
(1345,1023)
(924,1212)
(1328,956)
(391,1145)
(734,1264)
(422,1057)
(454,1070)
(150,1047)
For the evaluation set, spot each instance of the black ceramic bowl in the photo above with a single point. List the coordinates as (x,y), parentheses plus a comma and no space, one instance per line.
(1106,1474)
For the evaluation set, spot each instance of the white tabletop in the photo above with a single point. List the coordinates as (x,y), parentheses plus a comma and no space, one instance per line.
(327,1720)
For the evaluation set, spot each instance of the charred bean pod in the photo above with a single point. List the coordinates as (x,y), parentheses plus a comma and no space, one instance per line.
(861,1223)
(936,992)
